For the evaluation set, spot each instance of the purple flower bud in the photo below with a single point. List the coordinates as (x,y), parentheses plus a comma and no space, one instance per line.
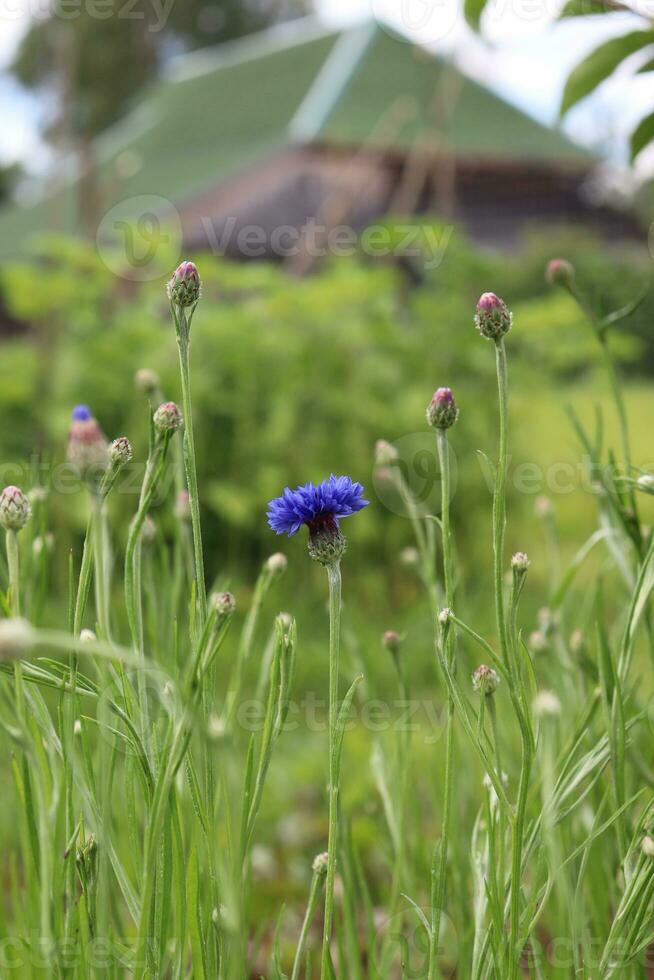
(167,418)
(120,452)
(485,680)
(442,411)
(184,286)
(493,318)
(560,272)
(88,450)
(15,509)
(385,453)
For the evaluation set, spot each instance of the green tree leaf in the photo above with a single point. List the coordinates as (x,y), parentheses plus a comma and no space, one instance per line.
(473,9)
(585,78)
(584,8)
(642,136)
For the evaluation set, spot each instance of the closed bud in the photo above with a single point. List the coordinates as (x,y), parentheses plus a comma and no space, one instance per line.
(410,556)
(87,636)
(148,531)
(520,562)
(16,639)
(546,704)
(277,564)
(485,680)
(184,286)
(15,509)
(445,617)
(320,863)
(392,641)
(493,318)
(560,272)
(646,483)
(183,506)
(385,453)
(88,450)
(120,452)
(224,603)
(167,418)
(442,411)
(647,846)
(147,381)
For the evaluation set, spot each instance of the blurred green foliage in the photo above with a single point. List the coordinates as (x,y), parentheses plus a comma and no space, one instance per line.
(294,379)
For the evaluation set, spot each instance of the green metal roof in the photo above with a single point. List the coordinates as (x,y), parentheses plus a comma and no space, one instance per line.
(219,111)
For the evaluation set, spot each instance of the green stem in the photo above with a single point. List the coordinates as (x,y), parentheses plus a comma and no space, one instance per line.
(499,502)
(309,914)
(448,579)
(334,577)
(13,566)
(183,340)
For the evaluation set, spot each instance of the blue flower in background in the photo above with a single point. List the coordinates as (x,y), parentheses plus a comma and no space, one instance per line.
(316,506)
(82,413)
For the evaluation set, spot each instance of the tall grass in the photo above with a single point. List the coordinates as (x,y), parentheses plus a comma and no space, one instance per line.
(520,844)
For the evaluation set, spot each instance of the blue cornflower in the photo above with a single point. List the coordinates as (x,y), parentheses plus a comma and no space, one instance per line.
(82,413)
(319,507)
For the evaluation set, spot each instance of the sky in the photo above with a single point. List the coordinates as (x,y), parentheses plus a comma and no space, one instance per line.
(524,55)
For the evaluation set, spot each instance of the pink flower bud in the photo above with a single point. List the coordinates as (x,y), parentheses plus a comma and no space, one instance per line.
(493,318)
(560,272)
(185,285)
(442,411)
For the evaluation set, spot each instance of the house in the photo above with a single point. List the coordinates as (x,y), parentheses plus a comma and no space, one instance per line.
(258,145)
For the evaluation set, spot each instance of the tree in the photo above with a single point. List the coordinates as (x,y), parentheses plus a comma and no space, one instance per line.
(95,60)
(604,60)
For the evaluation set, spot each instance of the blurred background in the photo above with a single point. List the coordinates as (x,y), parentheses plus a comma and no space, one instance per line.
(349,178)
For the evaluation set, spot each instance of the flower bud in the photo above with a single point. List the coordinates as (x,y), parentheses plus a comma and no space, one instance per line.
(493,318)
(320,863)
(537,641)
(277,564)
(327,543)
(147,381)
(167,418)
(286,620)
(392,641)
(646,483)
(546,704)
(647,846)
(485,680)
(442,411)
(87,636)
(16,638)
(88,450)
(148,531)
(520,562)
(385,453)
(120,452)
(544,508)
(184,287)
(445,616)
(183,506)
(410,556)
(560,272)
(224,603)
(15,509)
